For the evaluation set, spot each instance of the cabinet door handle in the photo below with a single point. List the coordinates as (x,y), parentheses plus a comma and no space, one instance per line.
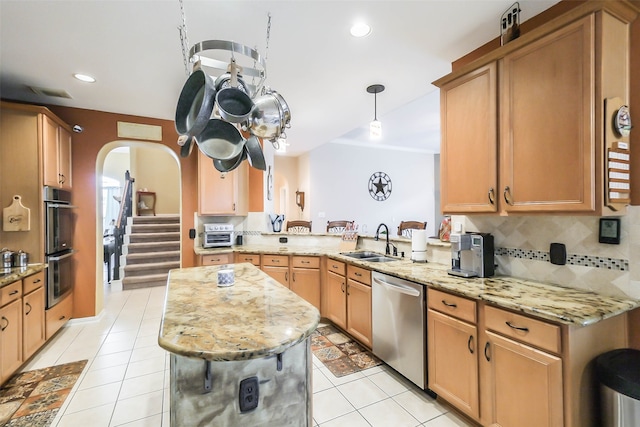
(469,344)
(450,304)
(342,287)
(348,290)
(62,317)
(286,276)
(275,260)
(305,262)
(5,326)
(13,292)
(30,308)
(294,276)
(492,196)
(36,281)
(507,191)
(357,274)
(519,328)
(486,352)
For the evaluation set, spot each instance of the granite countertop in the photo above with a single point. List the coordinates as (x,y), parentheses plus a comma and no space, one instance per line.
(10,275)
(255,318)
(544,300)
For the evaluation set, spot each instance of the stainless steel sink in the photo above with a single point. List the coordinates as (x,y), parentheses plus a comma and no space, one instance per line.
(361,255)
(380,259)
(369,256)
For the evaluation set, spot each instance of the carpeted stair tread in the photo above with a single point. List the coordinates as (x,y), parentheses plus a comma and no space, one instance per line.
(146,247)
(149,268)
(147,281)
(154,228)
(153,257)
(154,237)
(158,219)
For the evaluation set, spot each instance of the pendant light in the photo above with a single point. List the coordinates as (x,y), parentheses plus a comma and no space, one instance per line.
(375,127)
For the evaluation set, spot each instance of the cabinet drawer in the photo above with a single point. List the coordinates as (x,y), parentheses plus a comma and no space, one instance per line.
(10,292)
(305,261)
(522,328)
(275,260)
(252,258)
(32,282)
(58,315)
(359,274)
(337,267)
(217,259)
(453,305)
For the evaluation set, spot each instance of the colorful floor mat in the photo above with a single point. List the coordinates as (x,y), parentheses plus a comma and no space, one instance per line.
(339,352)
(33,398)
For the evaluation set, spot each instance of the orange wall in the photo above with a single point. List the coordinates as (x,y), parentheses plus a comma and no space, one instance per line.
(100,128)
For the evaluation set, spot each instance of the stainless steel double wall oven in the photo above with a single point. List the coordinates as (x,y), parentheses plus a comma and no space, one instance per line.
(59,225)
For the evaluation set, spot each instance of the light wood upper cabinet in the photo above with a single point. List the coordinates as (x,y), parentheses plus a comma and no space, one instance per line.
(523,126)
(546,129)
(468,153)
(56,153)
(222,193)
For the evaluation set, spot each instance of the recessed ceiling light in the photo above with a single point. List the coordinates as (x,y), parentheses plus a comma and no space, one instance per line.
(84,78)
(360,30)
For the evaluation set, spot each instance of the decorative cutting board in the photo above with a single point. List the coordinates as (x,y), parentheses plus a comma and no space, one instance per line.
(16,217)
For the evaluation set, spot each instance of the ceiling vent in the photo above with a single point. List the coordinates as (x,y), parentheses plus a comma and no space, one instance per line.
(57,93)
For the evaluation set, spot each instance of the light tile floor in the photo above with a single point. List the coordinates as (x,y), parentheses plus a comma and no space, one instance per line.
(126,382)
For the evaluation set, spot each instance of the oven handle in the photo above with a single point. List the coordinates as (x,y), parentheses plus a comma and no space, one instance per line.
(59,205)
(58,258)
(398,288)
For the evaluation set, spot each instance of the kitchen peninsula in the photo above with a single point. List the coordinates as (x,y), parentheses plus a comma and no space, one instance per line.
(240,354)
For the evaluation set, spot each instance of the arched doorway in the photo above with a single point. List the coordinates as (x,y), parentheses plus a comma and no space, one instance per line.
(153,166)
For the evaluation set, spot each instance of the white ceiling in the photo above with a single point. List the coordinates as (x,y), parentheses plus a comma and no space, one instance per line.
(133,49)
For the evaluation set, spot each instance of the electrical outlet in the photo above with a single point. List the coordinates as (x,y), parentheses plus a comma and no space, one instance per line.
(248,394)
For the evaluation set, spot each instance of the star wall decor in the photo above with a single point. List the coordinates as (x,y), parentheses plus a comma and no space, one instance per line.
(380,186)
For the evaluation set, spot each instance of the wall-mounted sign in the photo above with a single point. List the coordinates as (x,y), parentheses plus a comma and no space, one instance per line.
(380,186)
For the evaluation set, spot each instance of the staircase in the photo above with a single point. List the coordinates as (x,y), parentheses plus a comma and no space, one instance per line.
(151,248)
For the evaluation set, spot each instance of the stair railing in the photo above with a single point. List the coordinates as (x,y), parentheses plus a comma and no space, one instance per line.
(120,229)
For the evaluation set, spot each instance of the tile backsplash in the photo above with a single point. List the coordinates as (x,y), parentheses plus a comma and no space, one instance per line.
(522,250)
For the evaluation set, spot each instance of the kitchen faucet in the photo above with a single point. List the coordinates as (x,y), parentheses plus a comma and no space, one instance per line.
(387,249)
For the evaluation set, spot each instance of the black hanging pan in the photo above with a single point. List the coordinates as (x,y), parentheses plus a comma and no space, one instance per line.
(195,104)
(220,140)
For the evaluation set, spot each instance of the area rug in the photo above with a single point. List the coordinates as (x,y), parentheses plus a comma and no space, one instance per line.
(33,398)
(339,352)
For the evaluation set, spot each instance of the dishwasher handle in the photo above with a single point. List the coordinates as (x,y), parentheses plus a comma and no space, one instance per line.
(398,288)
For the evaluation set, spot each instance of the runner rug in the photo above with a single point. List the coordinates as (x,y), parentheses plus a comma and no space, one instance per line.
(33,398)
(339,352)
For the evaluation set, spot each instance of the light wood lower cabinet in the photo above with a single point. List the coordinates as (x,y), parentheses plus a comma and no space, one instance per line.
(33,304)
(359,304)
(251,258)
(453,361)
(216,259)
(335,289)
(452,350)
(305,278)
(58,315)
(525,383)
(277,266)
(10,338)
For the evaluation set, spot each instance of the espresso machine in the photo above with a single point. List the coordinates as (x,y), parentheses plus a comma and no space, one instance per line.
(472,255)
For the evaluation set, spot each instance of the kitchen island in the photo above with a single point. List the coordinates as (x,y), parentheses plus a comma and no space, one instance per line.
(240,354)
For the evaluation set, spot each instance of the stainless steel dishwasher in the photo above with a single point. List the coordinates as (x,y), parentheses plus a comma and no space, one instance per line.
(399,326)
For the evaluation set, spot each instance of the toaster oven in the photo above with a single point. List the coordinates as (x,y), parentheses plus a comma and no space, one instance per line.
(217,235)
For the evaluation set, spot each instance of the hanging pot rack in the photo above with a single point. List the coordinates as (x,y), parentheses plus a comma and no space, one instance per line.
(204,52)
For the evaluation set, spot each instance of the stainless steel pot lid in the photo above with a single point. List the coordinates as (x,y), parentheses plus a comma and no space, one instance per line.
(220,140)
